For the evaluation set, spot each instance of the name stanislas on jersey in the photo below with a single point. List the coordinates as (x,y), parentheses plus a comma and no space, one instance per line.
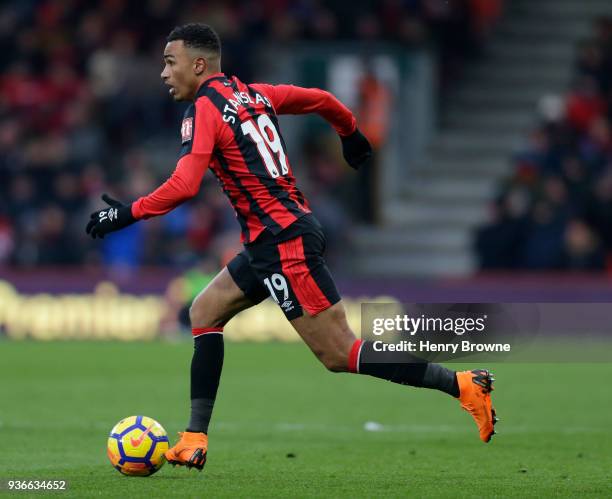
(242,98)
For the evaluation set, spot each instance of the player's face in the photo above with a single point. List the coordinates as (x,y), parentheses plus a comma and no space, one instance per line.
(180,71)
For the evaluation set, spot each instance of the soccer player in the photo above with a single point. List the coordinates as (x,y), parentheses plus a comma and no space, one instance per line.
(232,129)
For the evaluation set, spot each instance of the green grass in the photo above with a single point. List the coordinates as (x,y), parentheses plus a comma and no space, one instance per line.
(59,400)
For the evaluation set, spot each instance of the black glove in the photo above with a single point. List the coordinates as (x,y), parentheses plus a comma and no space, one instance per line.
(356,149)
(110,219)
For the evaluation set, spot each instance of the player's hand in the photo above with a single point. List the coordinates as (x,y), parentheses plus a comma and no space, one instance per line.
(115,217)
(356,149)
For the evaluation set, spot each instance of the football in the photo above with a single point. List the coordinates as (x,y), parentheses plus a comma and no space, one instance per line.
(136,446)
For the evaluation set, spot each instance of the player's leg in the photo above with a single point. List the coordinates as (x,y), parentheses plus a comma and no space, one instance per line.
(300,282)
(303,287)
(234,289)
(209,312)
(330,338)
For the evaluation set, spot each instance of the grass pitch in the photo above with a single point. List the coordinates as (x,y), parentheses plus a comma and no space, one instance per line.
(284,427)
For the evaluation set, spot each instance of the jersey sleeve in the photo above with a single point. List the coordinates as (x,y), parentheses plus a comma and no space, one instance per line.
(290,99)
(199,131)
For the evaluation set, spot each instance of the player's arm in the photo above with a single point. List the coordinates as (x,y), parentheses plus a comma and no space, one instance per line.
(198,141)
(291,99)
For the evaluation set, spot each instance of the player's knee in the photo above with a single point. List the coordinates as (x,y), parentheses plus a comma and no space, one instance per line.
(334,362)
(202,314)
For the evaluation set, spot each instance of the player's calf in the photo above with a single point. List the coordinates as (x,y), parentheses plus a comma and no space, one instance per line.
(401,367)
(211,309)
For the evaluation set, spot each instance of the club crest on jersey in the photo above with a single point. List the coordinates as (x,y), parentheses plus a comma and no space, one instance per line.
(186,130)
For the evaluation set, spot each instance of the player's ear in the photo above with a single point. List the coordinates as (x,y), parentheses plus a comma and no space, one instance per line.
(199,66)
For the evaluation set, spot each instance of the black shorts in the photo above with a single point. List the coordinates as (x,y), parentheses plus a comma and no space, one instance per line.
(289,267)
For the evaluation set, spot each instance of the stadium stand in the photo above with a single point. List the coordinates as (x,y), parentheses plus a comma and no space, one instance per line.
(554,211)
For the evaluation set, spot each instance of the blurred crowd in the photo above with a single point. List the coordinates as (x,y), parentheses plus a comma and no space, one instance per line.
(555,211)
(83,111)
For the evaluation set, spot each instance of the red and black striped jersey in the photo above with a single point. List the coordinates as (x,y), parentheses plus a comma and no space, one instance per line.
(232,128)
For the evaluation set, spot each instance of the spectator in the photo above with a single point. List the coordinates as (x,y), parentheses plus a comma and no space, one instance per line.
(499,243)
(583,250)
(585,104)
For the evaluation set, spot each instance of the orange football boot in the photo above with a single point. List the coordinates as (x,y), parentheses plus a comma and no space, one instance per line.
(189,451)
(475,389)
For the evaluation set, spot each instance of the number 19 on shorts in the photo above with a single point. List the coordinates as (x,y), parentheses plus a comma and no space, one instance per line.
(275,283)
